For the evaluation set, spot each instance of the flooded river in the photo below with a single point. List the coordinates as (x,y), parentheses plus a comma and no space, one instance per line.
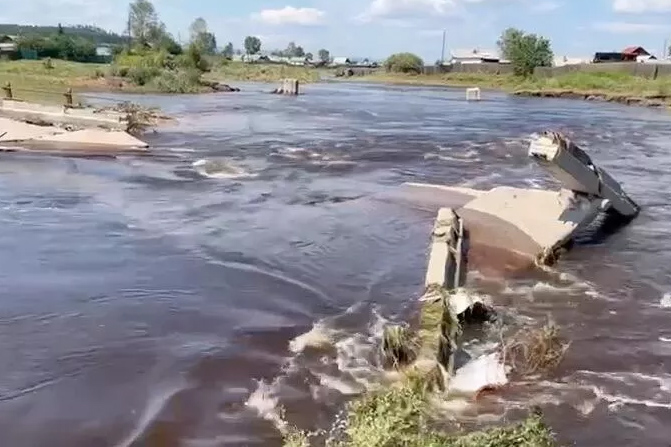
(173,300)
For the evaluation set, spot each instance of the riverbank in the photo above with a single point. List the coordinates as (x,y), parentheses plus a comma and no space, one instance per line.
(237,71)
(46,81)
(611,87)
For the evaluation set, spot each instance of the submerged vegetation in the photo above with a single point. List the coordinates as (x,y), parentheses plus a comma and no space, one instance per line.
(533,351)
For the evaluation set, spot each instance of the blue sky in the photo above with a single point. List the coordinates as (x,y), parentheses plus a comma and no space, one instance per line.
(376,28)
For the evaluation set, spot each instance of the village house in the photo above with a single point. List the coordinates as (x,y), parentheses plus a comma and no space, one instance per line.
(566,60)
(339,61)
(8,46)
(475,56)
(629,54)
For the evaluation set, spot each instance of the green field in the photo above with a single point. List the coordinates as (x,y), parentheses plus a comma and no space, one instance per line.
(238,71)
(606,85)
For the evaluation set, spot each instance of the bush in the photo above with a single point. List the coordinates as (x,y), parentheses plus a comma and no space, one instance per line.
(178,81)
(404,63)
(162,70)
(140,75)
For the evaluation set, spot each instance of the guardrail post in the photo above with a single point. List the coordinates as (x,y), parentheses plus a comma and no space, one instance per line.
(8,91)
(68,97)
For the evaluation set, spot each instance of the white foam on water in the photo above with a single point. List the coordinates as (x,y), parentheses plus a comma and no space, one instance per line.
(220,169)
(152,409)
(435,156)
(620,389)
(320,336)
(265,401)
(478,374)
(665,302)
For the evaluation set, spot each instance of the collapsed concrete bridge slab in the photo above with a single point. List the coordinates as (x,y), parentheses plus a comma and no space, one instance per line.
(531,224)
(517,227)
(57,129)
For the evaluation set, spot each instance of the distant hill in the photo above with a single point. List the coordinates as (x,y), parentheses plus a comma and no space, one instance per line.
(97,35)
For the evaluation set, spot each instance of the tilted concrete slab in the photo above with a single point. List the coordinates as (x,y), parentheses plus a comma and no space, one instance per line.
(31,137)
(12,130)
(95,137)
(57,115)
(517,227)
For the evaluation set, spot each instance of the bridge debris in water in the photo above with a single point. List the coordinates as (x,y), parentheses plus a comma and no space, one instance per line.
(533,224)
(27,126)
(526,226)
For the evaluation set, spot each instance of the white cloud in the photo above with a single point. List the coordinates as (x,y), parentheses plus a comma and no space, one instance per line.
(290,15)
(627,27)
(546,6)
(103,13)
(639,6)
(390,8)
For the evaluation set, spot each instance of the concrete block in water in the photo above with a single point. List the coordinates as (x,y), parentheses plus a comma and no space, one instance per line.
(473,94)
(288,87)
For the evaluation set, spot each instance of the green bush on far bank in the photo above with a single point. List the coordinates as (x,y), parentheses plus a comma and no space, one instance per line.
(162,70)
(404,63)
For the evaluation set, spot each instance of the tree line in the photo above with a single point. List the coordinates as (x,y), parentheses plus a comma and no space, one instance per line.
(525,51)
(145,32)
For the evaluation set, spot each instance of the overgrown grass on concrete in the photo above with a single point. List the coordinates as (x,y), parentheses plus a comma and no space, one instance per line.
(238,71)
(403,416)
(580,83)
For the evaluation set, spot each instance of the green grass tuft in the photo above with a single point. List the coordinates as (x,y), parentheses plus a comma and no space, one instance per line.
(402,416)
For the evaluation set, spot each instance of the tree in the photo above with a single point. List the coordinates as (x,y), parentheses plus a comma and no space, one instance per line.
(143,21)
(309,57)
(291,50)
(299,52)
(324,55)
(525,51)
(252,45)
(228,50)
(404,63)
(60,29)
(198,27)
(201,37)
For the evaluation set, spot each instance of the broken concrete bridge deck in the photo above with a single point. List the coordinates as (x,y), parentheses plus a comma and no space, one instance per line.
(531,225)
(46,128)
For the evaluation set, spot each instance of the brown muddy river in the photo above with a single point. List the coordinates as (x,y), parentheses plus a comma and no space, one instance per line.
(164,301)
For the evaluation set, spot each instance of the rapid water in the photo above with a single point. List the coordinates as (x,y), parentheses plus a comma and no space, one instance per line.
(184,299)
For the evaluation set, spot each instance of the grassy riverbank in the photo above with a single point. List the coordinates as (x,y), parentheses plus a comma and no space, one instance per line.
(238,71)
(617,87)
(46,81)
(43,82)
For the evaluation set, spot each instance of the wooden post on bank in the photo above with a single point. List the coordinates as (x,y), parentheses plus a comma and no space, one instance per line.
(68,97)
(8,91)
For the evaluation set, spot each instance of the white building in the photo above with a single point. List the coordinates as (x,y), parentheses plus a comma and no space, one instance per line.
(566,60)
(474,56)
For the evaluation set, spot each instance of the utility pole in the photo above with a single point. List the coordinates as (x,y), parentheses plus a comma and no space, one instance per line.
(442,51)
(129,33)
